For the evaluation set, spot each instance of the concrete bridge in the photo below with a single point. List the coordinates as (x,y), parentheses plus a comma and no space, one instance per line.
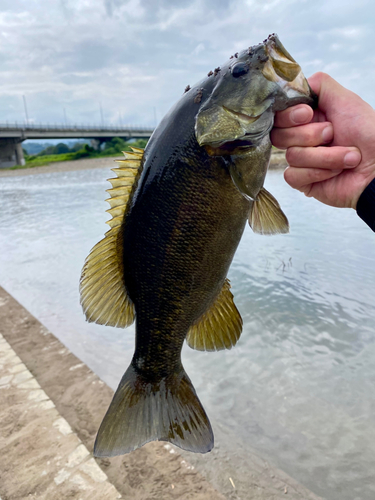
(12,136)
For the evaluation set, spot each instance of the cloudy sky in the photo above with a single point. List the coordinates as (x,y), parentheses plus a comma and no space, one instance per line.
(135,57)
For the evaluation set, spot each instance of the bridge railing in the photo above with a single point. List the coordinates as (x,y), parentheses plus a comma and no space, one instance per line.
(72,127)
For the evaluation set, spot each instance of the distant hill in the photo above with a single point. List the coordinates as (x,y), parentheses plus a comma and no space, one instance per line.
(34,148)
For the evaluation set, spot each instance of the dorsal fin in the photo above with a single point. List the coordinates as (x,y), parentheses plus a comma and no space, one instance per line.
(103,292)
(219,327)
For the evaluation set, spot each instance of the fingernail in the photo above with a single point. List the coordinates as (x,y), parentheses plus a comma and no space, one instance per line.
(352,159)
(327,134)
(300,115)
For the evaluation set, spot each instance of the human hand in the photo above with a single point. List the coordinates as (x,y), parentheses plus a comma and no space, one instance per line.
(330,151)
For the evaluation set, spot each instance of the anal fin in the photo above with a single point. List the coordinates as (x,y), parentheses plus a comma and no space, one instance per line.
(219,327)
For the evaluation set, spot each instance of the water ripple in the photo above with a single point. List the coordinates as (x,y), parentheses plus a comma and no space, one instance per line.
(298,387)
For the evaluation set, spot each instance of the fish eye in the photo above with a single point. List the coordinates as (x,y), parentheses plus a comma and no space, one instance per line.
(239,69)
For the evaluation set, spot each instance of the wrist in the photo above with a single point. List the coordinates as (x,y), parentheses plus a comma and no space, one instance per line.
(363,182)
(365,205)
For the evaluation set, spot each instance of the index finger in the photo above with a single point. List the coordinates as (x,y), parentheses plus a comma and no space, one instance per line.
(294,116)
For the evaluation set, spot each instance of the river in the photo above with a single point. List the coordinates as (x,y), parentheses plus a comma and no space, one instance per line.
(299,386)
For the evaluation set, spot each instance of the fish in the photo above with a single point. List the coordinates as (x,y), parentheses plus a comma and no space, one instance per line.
(179,209)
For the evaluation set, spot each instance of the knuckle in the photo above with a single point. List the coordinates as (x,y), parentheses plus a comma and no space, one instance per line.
(316,174)
(310,136)
(313,134)
(293,155)
(330,158)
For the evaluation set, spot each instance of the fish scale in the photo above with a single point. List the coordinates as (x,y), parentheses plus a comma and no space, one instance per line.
(178,213)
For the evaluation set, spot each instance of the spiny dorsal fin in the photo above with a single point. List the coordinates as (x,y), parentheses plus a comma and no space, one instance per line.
(219,327)
(266,216)
(103,293)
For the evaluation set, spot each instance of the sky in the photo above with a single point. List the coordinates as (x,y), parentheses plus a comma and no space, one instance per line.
(133,58)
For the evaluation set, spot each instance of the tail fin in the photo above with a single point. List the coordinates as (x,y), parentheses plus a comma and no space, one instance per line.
(143,411)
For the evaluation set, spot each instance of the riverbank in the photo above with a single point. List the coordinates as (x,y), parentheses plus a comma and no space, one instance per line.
(38,445)
(64,166)
(277,162)
(79,398)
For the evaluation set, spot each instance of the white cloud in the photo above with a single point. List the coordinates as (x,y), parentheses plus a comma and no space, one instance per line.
(198,49)
(348,32)
(139,54)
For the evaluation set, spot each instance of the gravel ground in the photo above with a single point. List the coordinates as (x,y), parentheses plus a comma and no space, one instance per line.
(63,166)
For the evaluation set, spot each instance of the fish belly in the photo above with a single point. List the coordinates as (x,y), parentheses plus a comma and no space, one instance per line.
(179,241)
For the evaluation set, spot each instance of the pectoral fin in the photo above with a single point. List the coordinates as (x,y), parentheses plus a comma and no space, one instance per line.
(104,298)
(219,327)
(266,216)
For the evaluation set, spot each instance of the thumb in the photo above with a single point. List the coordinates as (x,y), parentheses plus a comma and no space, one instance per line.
(333,97)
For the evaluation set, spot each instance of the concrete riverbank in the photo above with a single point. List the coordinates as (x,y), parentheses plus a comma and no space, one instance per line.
(41,457)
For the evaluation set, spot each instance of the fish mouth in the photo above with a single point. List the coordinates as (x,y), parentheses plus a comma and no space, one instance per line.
(282,69)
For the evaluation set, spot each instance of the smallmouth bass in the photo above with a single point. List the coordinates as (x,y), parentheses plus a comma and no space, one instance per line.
(179,209)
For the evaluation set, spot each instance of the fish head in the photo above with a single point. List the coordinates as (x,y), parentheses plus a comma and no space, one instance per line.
(249,89)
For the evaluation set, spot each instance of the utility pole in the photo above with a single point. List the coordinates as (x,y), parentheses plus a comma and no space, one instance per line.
(101,114)
(24,104)
(155,119)
(65,120)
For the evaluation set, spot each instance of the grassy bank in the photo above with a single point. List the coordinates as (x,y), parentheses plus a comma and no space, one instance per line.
(112,148)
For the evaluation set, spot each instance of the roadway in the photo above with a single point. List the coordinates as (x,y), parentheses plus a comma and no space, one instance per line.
(46,131)
(12,135)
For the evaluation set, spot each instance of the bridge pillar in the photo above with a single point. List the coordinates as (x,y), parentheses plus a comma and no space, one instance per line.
(11,153)
(96,144)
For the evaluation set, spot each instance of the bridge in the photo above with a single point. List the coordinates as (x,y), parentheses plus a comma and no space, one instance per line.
(12,136)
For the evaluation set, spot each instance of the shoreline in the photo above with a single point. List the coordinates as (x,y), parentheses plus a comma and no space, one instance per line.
(277,162)
(57,452)
(81,399)
(63,166)
(157,470)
